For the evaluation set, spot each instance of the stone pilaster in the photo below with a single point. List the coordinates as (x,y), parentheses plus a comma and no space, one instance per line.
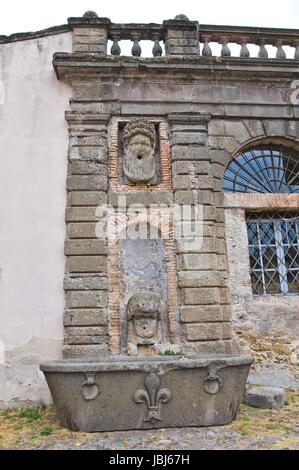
(201,263)
(85,283)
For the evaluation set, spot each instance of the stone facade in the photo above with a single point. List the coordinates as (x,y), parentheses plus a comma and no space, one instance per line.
(205,110)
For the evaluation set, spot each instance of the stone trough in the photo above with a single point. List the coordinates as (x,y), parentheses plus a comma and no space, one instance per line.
(122,393)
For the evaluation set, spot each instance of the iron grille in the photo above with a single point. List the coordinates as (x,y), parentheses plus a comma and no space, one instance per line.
(271,169)
(273,240)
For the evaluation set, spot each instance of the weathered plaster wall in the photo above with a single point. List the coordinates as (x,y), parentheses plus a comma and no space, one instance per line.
(33,149)
(266,327)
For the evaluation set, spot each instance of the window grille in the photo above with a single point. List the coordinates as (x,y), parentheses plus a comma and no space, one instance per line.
(274,253)
(271,169)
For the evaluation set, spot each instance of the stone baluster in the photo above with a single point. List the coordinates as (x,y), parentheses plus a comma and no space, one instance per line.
(263,53)
(115,49)
(206,51)
(280,54)
(296,56)
(225,51)
(136,49)
(244,52)
(157,49)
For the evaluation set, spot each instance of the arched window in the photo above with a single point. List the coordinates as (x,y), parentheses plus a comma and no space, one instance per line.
(273,238)
(271,169)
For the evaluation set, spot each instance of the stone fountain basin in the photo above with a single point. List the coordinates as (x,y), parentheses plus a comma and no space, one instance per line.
(122,392)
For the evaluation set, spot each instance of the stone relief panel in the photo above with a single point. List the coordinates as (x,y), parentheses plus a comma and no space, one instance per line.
(139,155)
(146,319)
(143,307)
(138,152)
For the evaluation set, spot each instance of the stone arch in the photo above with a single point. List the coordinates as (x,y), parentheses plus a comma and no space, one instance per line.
(287,144)
(164,247)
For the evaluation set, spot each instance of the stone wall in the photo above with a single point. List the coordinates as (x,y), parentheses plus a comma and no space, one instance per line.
(265,327)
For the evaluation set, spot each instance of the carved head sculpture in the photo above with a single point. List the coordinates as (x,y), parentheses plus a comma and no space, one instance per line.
(144,311)
(139,165)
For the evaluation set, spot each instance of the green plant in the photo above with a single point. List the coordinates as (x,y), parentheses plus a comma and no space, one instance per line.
(30,413)
(168,352)
(46,431)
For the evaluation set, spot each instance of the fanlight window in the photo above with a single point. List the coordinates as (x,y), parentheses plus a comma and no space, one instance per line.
(271,169)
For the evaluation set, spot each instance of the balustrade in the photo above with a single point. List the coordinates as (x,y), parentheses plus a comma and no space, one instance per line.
(184,38)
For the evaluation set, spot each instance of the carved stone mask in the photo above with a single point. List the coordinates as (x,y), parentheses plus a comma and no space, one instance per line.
(144,308)
(139,162)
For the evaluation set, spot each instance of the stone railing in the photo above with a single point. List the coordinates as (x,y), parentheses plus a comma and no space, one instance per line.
(180,36)
(245,36)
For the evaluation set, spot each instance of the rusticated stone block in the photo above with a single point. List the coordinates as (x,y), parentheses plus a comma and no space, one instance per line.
(188,197)
(217,170)
(88,264)
(93,140)
(196,245)
(174,34)
(84,351)
(219,156)
(86,299)
(86,282)
(80,214)
(92,182)
(238,131)
(202,331)
(226,331)
(85,317)
(198,314)
(192,41)
(197,262)
(224,143)
(186,138)
(182,182)
(185,167)
(200,295)
(200,278)
(210,213)
(275,127)
(85,334)
(224,295)
(97,154)
(144,198)
(254,127)
(220,231)
(87,168)
(81,230)
(216,127)
(87,198)
(85,247)
(212,347)
(208,331)
(181,152)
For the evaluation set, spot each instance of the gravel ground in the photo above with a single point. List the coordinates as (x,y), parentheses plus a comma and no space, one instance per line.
(254,429)
(211,438)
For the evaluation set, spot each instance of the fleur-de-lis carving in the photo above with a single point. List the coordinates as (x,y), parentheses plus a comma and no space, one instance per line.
(153,396)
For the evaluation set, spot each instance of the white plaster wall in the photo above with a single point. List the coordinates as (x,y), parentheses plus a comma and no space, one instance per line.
(33,159)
